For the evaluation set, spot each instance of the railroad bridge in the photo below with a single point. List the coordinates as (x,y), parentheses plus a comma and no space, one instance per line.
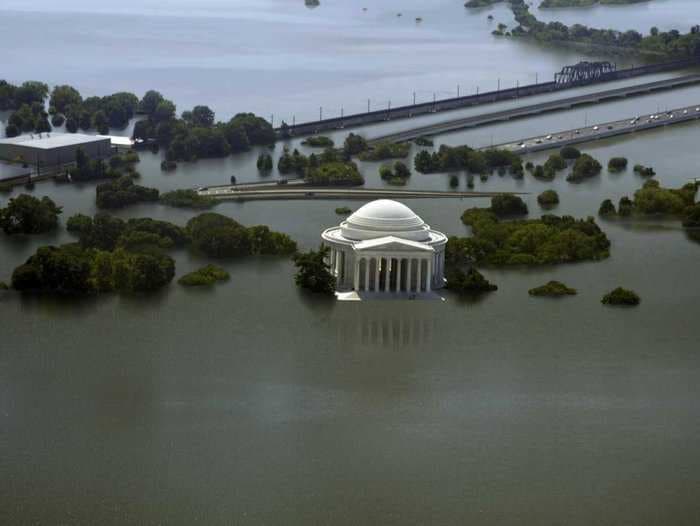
(568,77)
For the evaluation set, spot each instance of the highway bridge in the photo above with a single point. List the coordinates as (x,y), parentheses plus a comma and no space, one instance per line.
(426,108)
(604,130)
(536,109)
(283,192)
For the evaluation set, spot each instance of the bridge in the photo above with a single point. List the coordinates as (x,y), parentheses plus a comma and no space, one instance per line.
(569,78)
(300,191)
(536,109)
(603,131)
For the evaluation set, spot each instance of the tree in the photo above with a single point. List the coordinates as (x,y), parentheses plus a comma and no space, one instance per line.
(508,205)
(621,296)
(401,170)
(354,144)
(548,199)
(471,282)
(150,101)
(313,273)
(100,122)
(202,116)
(26,214)
(584,168)
(165,111)
(31,92)
(218,236)
(64,96)
(607,208)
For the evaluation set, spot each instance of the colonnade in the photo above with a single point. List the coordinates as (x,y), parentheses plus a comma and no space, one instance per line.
(392,274)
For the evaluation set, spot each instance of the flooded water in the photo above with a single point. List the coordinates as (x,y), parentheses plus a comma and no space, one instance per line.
(254,403)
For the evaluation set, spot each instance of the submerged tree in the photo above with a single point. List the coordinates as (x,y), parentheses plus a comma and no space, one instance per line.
(313,272)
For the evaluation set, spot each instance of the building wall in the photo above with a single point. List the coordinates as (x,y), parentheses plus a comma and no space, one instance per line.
(55,156)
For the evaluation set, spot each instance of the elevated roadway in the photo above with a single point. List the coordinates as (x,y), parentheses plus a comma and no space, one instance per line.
(604,130)
(536,109)
(284,192)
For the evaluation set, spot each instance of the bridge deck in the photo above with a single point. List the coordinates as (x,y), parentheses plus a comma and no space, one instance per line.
(602,131)
(308,192)
(536,109)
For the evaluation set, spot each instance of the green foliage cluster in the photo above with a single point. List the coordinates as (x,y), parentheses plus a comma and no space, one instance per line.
(313,272)
(99,113)
(187,199)
(354,144)
(168,166)
(621,296)
(552,165)
(570,153)
(111,255)
(28,118)
(617,164)
(548,199)
(670,43)
(607,208)
(25,214)
(553,289)
(294,162)
(585,167)
(12,97)
(196,135)
(219,236)
(74,270)
(470,282)
(124,192)
(548,240)
(507,205)
(644,171)
(335,174)
(343,211)
(397,174)
(318,141)
(424,141)
(386,150)
(265,163)
(652,199)
(205,276)
(450,158)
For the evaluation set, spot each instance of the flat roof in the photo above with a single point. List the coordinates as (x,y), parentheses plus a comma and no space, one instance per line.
(48,141)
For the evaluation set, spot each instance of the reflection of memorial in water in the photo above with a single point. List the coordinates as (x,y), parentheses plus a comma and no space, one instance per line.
(384,329)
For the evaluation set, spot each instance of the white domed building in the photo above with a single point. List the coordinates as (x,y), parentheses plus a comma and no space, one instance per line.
(384,248)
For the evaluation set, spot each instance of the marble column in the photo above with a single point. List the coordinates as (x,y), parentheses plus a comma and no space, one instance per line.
(366,286)
(387,275)
(356,277)
(419,284)
(429,277)
(377,269)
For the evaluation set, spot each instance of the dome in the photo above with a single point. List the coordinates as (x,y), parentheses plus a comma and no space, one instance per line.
(385,217)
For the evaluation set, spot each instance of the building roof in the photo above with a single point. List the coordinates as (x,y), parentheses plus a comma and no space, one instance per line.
(393,243)
(48,141)
(385,217)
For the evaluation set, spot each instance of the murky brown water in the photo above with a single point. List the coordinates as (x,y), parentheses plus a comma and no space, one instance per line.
(256,404)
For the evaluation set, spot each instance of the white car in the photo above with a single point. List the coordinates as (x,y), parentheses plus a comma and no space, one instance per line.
(685,112)
(549,137)
(596,128)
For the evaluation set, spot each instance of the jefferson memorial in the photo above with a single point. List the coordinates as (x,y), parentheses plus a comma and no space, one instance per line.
(384,248)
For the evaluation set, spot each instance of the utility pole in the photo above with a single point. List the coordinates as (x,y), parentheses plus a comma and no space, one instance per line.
(414,98)
(477,90)
(537,78)
(367,105)
(272,120)
(320,113)
(294,120)
(457,90)
(499,85)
